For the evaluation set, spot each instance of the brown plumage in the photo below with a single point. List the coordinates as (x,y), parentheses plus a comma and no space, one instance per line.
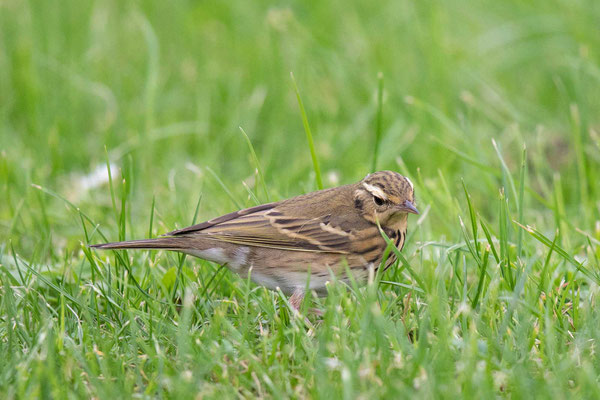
(321,231)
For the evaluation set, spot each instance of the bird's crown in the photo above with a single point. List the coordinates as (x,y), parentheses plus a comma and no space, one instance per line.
(389,186)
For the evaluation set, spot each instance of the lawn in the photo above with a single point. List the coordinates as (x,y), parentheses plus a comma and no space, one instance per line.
(121,120)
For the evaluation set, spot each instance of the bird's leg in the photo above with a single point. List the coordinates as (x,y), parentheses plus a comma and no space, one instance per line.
(316,311)
(296,298)
(295,302)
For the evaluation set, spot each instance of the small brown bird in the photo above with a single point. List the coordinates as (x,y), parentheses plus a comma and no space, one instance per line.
(321,232)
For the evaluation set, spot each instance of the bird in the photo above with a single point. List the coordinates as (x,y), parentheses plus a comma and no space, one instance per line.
(297,244)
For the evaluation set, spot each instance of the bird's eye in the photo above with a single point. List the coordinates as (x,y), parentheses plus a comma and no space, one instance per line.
(378,200)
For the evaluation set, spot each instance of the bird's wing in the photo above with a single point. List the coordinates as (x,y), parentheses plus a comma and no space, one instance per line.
(273,226)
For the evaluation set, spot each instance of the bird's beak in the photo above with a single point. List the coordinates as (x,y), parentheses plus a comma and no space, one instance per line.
(408,207)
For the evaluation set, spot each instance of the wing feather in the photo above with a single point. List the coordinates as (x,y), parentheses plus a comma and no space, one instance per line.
(268,226)
(219,220)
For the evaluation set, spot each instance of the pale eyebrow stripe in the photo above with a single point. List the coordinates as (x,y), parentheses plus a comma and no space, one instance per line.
(375,191)
(410,183)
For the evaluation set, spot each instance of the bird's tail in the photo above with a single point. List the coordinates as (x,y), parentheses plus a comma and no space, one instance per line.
(164,243)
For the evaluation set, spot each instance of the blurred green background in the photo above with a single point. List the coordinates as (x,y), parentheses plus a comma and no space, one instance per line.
(159,90)
(165,85)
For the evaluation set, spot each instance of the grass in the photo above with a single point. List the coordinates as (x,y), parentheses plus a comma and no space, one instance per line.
(490,110)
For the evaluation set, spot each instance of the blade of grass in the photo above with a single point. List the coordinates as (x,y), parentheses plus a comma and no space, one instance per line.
(112,190)
(467,158)
(437,114)
(560,215)
(183,256)
(151,217)
(547,264)
(225,189)
(506,175)
(473,218)
(402,285)
(401,257)
(503,218)
(61,291)
(82,215)
(471,245)
(520,204)
(256,164)
(309,137)
(488,236)
(482,273)
(379,118)
(560,251)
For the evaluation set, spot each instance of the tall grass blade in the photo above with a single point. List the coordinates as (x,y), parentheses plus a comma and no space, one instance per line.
(256,164)
(473,219)
(379,120)
(521,204)
(560,251)
(503,218)
(506,175)
(309,137)
(225,188)
(482,274)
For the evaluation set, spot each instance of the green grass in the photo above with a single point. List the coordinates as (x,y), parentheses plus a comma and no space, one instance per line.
(490,108)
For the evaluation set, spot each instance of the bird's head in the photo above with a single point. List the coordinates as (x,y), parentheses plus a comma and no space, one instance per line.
(385,196)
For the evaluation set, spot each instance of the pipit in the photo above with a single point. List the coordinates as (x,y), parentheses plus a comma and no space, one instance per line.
(279,244)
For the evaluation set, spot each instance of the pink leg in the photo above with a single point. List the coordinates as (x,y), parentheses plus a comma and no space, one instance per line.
(296,299)
(316,311)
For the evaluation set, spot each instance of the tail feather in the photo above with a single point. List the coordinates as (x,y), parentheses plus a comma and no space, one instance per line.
(165,243)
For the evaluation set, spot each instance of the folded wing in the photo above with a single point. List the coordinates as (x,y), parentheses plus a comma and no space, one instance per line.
(271,226)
